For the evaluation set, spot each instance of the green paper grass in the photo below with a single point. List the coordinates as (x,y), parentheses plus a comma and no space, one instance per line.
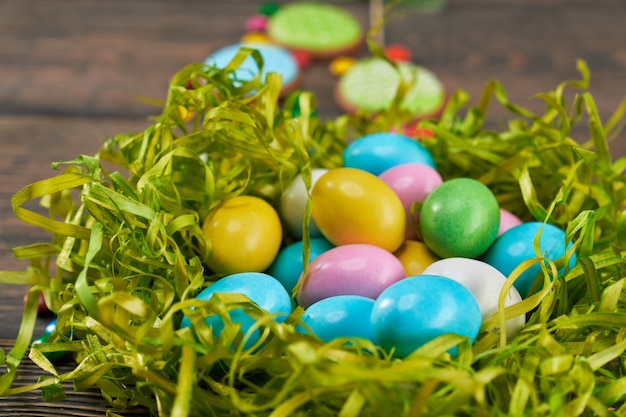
(126,257)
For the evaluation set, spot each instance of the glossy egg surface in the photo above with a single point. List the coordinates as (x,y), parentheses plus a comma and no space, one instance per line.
(485,282)
(245,234)
(412,183)
(353,206)
(357,269)
(262,289)
(461,218)
(289,264)
(340,316)
(418,309)
(293,205)
(377,152)
(516,245)
(415,257)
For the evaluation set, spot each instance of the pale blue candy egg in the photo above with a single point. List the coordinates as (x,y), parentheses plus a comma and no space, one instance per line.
(275,59)
(340,316)
(418,309)
(377,152)
(262,289)
(289,263)
(516,245)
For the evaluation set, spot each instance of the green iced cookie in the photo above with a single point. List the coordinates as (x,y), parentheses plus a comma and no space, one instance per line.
(317,28)
(371,85)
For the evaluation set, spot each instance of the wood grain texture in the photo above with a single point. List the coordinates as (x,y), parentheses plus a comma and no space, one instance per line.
(71,72)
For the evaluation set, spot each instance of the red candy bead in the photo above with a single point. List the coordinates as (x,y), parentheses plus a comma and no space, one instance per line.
(398,53)
(303,58)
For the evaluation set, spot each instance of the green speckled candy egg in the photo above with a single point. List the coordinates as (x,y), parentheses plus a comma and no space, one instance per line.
(460,217)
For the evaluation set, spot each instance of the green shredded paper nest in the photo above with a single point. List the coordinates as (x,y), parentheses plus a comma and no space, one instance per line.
(127,253)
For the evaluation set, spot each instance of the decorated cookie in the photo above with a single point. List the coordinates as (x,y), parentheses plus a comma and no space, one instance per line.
(275,59)
(371,85)
(323,30)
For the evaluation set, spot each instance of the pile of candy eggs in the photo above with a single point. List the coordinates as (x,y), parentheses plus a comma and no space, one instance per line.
(397,255)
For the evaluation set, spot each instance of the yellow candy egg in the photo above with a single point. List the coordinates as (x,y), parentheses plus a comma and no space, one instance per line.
(353,206)
(245,234)
(415,257)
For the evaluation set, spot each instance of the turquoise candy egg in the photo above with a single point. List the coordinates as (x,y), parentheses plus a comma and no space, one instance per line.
(460,217)
(377,152)
(262,289)
(420,308)
(516,245)
(340,316)
(289,263)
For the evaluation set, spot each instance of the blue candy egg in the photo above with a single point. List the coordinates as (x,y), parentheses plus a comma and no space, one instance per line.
(289,263)
(275,59)
(377,152)
(418,309)
(516,245)
(340,316)
(262,289)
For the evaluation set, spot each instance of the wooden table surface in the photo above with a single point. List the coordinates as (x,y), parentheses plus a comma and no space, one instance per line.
(71,71)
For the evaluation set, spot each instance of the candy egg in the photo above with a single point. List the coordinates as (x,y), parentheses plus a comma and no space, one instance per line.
(517,245)
(289,264)
(461,217)
(354,206)
(415,257)
(339,316)
(412,183)
(356,269)
(377,152)
(262,289)
(245,234)
(418,309)
(45,338)
(507,221)
(275,60)
(485,282)
(293,204)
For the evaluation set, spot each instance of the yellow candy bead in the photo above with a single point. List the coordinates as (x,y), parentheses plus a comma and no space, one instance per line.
(340,65)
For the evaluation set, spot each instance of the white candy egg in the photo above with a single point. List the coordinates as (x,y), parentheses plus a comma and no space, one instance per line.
(484,282)
(293,204)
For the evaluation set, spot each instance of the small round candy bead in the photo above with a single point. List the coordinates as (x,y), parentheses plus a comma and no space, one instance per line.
(341,64)
(398,53)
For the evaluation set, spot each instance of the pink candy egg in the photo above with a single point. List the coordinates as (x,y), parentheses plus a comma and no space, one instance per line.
(507,221)
(354,269)
(412,183)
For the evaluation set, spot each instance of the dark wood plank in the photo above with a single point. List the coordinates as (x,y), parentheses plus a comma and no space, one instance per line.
(76,404)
